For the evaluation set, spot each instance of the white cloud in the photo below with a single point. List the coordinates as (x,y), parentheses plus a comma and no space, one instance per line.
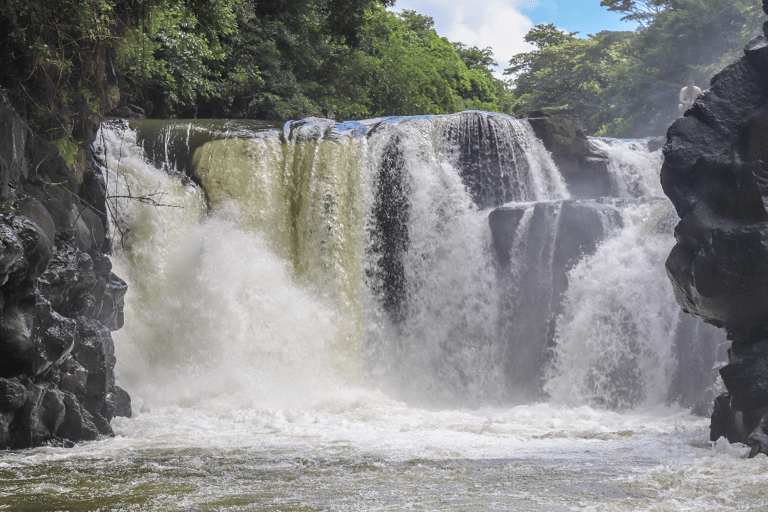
(495,23)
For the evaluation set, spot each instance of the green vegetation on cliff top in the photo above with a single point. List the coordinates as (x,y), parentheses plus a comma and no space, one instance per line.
(71,61)
(626,84)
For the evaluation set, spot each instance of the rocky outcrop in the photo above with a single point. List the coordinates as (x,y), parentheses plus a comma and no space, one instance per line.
(546,240)
(583,166)
(716,174)
(58,296)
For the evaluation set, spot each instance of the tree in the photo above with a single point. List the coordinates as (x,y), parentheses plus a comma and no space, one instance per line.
(172,56)
(565,74)
(642,11)
(625,84)
(403,67)
(56,56)
(475,58)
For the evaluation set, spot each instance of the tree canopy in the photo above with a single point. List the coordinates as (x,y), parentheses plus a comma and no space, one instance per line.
(284,59)
(626,84)
(287,59)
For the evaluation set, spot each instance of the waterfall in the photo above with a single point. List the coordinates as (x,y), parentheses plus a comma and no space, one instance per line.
(371,315)
(633,168)
(614,338)
(622,340)
(528,285)
(433,307)
(277,265)
(213,310)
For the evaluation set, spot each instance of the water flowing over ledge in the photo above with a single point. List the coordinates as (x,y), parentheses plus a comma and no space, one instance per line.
(381,227)
(361,316)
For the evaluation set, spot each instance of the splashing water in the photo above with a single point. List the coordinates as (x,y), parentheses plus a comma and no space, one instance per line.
(615,337)
(281,309)
(634,170)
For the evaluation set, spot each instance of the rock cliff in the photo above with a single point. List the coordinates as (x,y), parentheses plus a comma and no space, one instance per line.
(533,291)
(716,174)
(59,299)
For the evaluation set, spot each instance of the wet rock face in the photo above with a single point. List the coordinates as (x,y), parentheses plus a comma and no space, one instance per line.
(716,174)
(584,167)
(547,240)
(58,298)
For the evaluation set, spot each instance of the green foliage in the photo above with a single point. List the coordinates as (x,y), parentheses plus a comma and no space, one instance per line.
(68,149)
(287,60)
(268,59)
(174,53)
(283,59)
(475,58)
(643,11)
(54,58)
(402,67)
(565,74)
(626,84)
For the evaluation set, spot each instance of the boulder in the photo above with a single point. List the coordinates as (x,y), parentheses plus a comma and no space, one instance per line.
(17,332)
(38,420)
(77,423)
(33,228)
(562,135)
(584,167)
(13,394)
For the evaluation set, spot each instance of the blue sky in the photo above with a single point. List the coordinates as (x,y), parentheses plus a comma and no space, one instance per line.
(502,24)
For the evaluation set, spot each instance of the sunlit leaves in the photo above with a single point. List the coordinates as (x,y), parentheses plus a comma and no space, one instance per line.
(626,84)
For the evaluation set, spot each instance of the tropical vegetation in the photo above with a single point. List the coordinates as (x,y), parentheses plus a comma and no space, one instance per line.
(626,84)
(70,60)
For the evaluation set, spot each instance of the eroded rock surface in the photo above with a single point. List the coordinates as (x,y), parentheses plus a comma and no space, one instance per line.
(58,297)
(716,174)
(584,167)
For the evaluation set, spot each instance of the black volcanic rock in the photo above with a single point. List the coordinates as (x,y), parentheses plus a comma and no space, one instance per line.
(716,174)
(58,297)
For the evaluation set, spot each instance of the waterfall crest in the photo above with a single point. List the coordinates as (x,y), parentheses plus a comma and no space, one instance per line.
(325,255)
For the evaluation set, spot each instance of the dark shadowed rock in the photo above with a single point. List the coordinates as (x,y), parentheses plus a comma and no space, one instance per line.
(13,137)
(17,330)
(726,421)
(389,237)
(504,223)
(536,246)
(111,312)
(562,135)
(13,394)
(118,403)
(5,428)
(716,174)
(584,167)
(11,253)
(746,380)
(758,439)
(96,354)
(58,297)
(77,423)
(38,420)
(34,229)
(57,337)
